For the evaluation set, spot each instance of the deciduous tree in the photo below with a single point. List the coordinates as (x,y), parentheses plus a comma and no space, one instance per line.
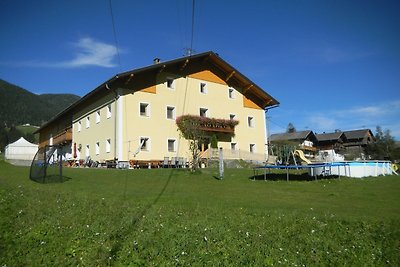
(384,146)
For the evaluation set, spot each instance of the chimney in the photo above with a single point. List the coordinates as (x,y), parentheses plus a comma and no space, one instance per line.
(156,60)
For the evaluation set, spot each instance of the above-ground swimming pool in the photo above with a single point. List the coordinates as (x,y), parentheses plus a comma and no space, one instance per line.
(352,168)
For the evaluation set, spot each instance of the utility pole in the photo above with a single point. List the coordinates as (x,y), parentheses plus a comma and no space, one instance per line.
(267,118)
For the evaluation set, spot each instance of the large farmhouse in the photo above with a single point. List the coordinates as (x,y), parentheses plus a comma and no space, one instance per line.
(133,115)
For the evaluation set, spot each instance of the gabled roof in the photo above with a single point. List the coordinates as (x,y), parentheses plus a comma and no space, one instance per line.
(185,65)
(329,136)
(22,143)
(298,135)
(358,134)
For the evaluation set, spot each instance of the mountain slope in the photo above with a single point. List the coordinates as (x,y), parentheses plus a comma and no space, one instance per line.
(19,106)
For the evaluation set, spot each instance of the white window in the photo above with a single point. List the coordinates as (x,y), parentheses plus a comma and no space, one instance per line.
(171,145)
(108,145)
(170,112)
(250,121)
(98,116)
(79,126)
(144,109)
(203,112)
(145,144)
(97,148)
(109,111)
(252,148)
(233,146)
(232,116)
(87,151)
(87,121)
(231,93)
(170,83)
(203,88)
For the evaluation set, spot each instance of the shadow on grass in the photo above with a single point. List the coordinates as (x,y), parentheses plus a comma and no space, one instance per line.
(292,177)
(51,179)
(217,177)
(120,236)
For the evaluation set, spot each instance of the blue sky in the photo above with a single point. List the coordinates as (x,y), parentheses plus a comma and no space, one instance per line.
(331,64)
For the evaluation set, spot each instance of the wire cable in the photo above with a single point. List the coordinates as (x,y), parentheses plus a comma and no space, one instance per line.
(115,36)
(192,33)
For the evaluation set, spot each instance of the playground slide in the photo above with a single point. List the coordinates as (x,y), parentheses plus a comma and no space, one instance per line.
(302,157)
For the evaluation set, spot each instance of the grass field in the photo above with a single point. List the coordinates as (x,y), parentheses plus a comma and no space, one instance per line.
(165,217)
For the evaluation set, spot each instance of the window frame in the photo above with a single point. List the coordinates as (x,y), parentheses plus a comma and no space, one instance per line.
(108,145)
(173,112)
(234,146)
(251,122)
(98,116)
(231,93)
(147,110)
(97,148)
(170,83)
(87,150)
(147,144)
(109,111)
(203,88)
(252,148)
(174,145)
(207,113)
(87,121)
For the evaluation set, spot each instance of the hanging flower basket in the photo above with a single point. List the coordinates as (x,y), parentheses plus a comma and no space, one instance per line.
(188,123)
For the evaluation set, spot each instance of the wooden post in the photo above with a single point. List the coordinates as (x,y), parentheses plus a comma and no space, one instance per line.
(287,173)
(221,164)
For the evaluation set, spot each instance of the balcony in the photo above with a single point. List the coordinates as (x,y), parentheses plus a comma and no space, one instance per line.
(190,124)
(308,148)
(63,137)
(218,129)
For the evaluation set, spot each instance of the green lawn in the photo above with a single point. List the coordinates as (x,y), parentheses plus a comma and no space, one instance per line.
(165,217)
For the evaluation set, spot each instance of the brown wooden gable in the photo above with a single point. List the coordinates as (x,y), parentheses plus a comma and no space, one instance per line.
(208,76)
(248,103)
(151,89)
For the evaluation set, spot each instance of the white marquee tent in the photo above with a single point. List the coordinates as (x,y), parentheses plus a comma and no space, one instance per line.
(20,150)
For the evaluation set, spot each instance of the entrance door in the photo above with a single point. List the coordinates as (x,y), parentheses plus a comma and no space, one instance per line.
(205,144)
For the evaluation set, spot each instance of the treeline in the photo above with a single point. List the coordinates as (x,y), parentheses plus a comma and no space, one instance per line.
(384,147)
(19,106)
(12,134)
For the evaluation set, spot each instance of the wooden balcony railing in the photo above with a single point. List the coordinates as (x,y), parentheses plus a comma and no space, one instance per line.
(227,129)
(43,143)
(308,148)
(63,137)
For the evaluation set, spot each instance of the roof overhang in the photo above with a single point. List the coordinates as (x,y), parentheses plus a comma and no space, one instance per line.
(185,66)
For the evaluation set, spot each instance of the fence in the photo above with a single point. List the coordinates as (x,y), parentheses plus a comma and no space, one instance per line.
(213,153)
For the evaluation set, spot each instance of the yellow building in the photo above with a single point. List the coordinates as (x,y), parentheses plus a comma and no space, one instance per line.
(132,116)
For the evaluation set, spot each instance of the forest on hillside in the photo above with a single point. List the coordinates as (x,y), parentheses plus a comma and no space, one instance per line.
(18,107)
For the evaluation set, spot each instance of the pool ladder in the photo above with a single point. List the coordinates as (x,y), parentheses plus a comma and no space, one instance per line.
(326,171)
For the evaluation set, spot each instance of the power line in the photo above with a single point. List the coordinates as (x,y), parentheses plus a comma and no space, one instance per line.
(115,35)
(192,34)
(277,124)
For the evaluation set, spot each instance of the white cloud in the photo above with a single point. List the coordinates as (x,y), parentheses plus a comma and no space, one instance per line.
(367,112)
(384,114)
(92,53)
(395,130)
(88,52)
(321,123)
(333,54)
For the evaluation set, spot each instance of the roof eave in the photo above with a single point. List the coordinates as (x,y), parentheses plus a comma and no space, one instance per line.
(265,99)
